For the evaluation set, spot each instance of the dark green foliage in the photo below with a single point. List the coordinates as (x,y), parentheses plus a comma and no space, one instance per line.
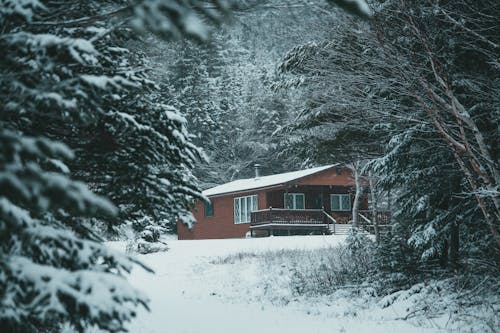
(72,95)
(226,91)
(404,90)
(437,206)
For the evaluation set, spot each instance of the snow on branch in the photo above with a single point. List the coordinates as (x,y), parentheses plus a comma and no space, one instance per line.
(50,291)
(21,8)
(357,7)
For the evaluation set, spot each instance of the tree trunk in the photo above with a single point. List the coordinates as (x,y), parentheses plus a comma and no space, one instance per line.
(454,245)
(357,197)
(373,199)
(443,260)
(389,206)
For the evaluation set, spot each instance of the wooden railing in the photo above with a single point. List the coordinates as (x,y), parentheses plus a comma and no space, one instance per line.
(288,216)
(299,221)
(331,221)
(312,220)
(383,217)
(367,221)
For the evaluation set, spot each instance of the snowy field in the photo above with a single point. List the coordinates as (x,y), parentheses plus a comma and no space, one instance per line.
(196,288)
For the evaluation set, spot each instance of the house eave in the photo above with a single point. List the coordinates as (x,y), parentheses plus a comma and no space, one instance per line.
(281,185)
(256,189)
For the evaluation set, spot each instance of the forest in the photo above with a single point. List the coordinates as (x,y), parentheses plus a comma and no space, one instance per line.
(116,114)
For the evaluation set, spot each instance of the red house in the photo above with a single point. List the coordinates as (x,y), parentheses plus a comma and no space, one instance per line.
(301,202)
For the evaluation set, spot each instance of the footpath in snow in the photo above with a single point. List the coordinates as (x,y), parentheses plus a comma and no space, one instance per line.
(194,290)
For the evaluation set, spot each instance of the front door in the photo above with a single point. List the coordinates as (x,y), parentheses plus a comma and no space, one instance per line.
(317,200)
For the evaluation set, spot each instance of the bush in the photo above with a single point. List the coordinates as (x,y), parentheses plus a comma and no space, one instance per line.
(323,272)
(141,246)
(148,237)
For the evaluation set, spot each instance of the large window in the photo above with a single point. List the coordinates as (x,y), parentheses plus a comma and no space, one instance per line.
(209,209)
(340,202)
(242,208)
(294,201)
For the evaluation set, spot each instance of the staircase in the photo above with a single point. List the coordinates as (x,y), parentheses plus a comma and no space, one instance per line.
(335,228)
(344,229)
(340,229)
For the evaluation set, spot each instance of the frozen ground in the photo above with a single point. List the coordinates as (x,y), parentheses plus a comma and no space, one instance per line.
(195,289)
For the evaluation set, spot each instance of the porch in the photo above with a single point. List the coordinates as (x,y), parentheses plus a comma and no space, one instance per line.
(274,221)
(279,221)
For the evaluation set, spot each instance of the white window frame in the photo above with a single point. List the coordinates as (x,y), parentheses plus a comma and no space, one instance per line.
(341,206)
(205,206)
(294,200)
(240,212)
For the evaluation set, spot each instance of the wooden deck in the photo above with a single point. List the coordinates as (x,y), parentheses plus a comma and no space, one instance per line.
(309,220)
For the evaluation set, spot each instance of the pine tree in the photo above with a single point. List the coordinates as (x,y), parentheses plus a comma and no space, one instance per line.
(428,55)
(403,87)
(65,76)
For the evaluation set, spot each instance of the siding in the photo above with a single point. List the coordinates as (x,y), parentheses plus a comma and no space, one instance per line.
(221,225)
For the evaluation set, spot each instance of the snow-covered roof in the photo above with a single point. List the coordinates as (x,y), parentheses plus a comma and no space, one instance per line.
(241,185)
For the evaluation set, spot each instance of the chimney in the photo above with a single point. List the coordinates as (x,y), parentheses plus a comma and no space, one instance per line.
(257,170)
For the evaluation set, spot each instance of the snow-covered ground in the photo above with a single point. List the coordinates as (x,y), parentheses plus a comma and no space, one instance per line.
(197,289)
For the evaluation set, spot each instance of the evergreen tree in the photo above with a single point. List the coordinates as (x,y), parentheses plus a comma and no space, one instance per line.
(449,198)
(405,82)
(66,77)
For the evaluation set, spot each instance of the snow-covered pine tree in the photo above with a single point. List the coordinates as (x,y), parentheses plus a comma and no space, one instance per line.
(54,269)
(428,204)
(409,74)
(343,115)
(60,72)
(455,102)
(405,82)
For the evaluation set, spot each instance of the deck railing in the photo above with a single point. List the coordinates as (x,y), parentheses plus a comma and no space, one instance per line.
(382,217)
(288,216)
(367,220)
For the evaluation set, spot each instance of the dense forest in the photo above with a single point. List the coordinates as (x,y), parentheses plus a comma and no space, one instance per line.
(114,115)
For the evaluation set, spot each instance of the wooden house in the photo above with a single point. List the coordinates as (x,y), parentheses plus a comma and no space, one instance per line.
(301,202)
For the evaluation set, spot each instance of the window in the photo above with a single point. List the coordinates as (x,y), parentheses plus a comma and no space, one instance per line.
(242,208)
(294,201)
(209,209)
(340,202)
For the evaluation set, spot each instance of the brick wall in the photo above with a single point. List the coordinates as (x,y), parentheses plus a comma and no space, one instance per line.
(221,225)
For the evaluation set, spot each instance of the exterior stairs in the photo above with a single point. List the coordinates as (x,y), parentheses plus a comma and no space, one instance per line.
(344,229)
(340,229)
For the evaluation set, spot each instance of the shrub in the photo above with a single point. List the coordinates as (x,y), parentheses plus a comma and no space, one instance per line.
(323,273)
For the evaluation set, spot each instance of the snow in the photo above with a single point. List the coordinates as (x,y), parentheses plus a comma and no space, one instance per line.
(95,290)
(102,81)
(81,50)
(63,168)
(362,6)
(174,114)
(263,181)
(58,99)
(195,289)
(23,8)
(195,26)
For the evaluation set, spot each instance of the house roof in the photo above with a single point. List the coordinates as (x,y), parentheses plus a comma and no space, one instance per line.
(242,185)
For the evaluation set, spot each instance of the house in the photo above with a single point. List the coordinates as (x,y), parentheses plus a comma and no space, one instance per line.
(300,202)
